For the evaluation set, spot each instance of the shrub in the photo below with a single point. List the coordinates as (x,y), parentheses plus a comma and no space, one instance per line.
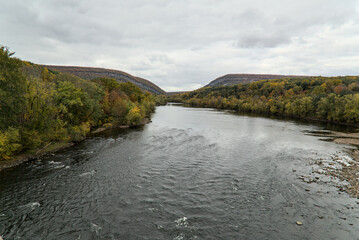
(134,116)
(30,139)
(9,143)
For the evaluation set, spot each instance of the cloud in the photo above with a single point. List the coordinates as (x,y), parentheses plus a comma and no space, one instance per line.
(185,44)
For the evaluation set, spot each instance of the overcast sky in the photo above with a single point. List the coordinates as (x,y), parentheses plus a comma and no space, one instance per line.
(184,44)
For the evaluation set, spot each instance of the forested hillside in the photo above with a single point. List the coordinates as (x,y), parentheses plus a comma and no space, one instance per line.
(91,73)
(234,79)
(334,99)
(38,107)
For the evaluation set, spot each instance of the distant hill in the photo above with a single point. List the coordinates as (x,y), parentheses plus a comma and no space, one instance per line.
(234,79)
(90,73)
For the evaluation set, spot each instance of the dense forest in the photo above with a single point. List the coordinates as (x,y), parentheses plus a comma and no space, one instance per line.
(39,106)
(333,99)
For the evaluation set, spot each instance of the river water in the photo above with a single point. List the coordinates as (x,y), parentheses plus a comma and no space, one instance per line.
(190,174)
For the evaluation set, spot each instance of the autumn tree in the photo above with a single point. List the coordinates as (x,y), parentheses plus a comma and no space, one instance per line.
(12,90)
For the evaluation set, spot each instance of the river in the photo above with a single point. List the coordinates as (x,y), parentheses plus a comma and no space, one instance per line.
(190,174)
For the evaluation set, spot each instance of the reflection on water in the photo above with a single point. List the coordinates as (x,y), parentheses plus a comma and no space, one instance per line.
(190,174)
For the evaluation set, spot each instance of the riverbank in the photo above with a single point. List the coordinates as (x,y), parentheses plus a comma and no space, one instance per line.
(51,147)
(345,171)
(349,172)
(101,129)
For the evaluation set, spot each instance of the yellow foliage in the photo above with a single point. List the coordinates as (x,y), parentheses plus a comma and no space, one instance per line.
(9,143)
(136,110)
(107,125)
(85,128)
(135,116)
(290,92)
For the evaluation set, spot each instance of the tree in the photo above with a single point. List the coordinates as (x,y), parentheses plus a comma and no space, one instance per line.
(135,116)
(9,143)
(351,110)
(69,100)
(12,90)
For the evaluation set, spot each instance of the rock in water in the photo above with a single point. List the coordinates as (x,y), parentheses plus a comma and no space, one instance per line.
(299,223)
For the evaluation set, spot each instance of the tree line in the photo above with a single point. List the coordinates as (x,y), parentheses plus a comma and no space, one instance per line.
(333,99)
(39,106)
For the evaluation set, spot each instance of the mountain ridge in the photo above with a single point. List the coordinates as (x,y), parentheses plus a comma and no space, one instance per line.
(91,73)
(239,78)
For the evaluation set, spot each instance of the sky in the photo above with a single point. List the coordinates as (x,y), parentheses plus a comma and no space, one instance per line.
(184,44)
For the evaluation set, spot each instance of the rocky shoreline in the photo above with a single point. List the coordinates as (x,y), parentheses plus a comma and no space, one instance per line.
(346,171)
(51,148)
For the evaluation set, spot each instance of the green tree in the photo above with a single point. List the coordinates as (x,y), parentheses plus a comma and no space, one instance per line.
(69,100)
(12,90)
(351,109)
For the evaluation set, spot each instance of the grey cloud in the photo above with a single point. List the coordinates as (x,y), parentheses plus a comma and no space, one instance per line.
(184,44)
(263,28)
(159,58)
(262,40)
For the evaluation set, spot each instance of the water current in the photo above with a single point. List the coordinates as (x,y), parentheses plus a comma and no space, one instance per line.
(190,174)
